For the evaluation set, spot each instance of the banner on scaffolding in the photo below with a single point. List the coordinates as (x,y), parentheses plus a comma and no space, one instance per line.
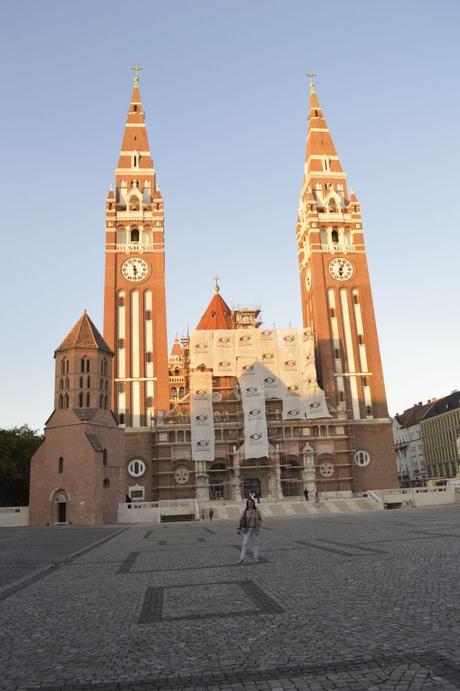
(201,345)
(201,416)
(224,361)
(253,401)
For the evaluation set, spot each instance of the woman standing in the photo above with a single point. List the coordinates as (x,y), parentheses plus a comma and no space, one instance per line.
(250,522)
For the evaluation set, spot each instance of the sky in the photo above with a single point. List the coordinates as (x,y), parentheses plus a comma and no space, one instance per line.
(225,96)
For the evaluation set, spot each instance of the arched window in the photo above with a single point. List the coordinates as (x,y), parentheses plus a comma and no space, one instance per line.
(332,206)
(106,483)
(87,400)
(101,384)
(60,401)
(104,362)
(81,382)
(134,201)
(335,235)
(134,235)
(176,371)
(87,365)
(67,382)
(66,400)
(82,364)
(61,383)
(181,392)
(60,465)
(173,392)
(106,402)
(63,366)
(104,456)
(80,400)
(347,237)
(88,382)
(106,387)
(101,401)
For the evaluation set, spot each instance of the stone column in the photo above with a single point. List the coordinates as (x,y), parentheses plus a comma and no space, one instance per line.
(275,455)
(202,481)
(236,479)
(308,470)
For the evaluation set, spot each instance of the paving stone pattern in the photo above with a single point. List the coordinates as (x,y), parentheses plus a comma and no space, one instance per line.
(365,603)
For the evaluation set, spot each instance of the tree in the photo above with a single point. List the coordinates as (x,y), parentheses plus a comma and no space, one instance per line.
(17,446)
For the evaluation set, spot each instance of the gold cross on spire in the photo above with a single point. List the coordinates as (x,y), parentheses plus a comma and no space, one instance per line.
(216,287)
(136,69)
(310,76)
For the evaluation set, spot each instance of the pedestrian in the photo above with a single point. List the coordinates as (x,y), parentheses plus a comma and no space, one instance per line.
(317,497)
(211,513)
(305,494)
(258,498)
(252,495)
(250,523)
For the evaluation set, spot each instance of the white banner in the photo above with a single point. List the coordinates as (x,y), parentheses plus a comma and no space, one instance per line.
(224,353)
(255,438)
(315,403)
(201,349)
(253,400)
(247,343)
(201,416)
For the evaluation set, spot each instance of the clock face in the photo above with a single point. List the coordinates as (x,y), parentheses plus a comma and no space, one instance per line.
(135,269)
(340,269)
(308,278)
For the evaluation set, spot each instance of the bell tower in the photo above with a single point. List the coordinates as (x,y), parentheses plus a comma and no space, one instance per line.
(134,294)
(337,302)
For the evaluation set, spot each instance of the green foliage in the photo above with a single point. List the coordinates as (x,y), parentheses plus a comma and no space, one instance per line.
(17,446)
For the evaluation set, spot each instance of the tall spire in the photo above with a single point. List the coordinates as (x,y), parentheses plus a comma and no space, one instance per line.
(321,159)
(135,158)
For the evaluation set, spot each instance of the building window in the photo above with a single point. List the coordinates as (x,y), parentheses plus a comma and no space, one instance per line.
(101,401)
(60,401)
(360,339)
(148,315)
(134,235)
(121,301)
(362,458)
(60,465)
(106,483)
(149,401)
(136,467)
(106,401)
(121,387)
(66,400)
(337,353)
(121,343)
(67,382)
(335,232)
(88,383)
(104,456)
(87,400)
(121,418)
(148,356)
(80,400)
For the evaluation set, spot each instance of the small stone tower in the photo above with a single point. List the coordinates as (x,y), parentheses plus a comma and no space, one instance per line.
(77,474)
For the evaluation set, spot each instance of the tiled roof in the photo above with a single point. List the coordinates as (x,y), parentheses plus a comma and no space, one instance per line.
(94,441)
(84,335)
(218,315)
(443,405)
(177,347)
(412,416)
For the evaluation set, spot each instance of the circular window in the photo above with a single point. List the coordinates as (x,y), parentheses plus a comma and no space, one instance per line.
(326,469)
(362,458)
(136,467)
(181,476)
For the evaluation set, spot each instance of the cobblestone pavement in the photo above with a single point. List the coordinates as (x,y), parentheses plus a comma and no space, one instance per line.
(355,602)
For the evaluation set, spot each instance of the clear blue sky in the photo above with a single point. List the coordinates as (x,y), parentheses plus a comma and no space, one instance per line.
(226,98)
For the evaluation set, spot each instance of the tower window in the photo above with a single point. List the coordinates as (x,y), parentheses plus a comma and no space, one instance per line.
(134,235)
(364,381)
(81,382)
(87,400)
(61,384)
(60,401)
(104,456)
(101,384)
(80,400)
(106,401)
(135,110)
(149,401)
(148,357)
(88,382)
(332,312)
(341,396)
(106,483)
(360,339)
(335,235)
(121,418)
(355,298)
(66,400)
(60,465)
(121,301)
(67,382)
(148,315)
(121,343)
(101,401)
(337,353)
(121,387)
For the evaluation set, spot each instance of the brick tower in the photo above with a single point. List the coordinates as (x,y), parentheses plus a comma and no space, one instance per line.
(77,475)
(337,302)
(134,294)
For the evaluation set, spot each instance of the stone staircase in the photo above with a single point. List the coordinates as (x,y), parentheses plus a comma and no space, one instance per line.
(295,507)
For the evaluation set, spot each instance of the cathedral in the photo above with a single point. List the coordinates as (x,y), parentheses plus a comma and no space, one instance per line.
(233,408)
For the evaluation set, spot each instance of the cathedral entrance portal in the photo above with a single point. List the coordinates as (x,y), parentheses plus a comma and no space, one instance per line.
(251,484)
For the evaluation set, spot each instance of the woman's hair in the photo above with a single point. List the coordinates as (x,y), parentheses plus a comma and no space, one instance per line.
(253,504)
